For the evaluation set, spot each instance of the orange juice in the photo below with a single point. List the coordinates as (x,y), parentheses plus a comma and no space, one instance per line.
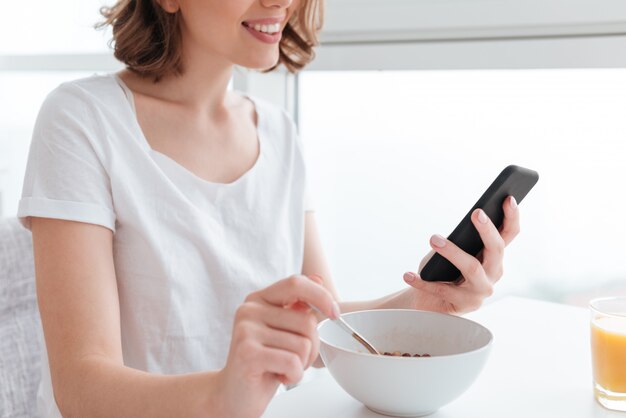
(608,348)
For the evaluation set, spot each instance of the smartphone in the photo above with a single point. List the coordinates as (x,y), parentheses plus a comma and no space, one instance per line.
(513,181)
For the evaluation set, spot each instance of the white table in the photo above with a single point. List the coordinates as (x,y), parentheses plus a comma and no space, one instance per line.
(540,366)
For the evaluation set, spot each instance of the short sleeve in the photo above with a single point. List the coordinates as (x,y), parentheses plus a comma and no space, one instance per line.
(65,176)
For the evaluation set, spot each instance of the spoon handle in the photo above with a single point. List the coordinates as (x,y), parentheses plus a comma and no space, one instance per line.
(343,324)
(347,328)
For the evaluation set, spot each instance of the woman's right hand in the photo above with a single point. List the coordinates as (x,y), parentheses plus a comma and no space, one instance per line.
(274,340)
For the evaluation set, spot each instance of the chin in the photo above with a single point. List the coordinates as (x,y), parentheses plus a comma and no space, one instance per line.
(261,62)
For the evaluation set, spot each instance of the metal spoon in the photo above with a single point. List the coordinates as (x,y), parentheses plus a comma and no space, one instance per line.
(347,328)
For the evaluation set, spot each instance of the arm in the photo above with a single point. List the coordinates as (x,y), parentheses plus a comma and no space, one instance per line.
(315,264)
(78,302)
(479,274)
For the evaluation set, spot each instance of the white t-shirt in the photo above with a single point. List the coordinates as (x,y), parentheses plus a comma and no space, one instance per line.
(186,251)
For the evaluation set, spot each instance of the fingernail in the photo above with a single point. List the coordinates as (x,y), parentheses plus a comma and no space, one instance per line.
(482,216)
(336,311)
(409,277)
(438,241)
(316,278)
(513,202)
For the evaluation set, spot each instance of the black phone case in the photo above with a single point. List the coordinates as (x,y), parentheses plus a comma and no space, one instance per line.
(513,181)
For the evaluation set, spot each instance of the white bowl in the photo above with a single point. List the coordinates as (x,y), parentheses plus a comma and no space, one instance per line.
(405,386)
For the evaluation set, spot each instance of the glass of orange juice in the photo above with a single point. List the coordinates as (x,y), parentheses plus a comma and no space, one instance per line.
(608,351)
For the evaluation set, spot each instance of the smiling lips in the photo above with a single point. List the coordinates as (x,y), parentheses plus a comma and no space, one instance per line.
(271,29)
(266,30)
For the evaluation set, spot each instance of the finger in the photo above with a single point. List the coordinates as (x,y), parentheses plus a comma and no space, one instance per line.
(299,320)
(286,365)
(299,288)
(493,253)
(288,341)
(471,269)
(319,280)
(302,322)
(456,295)
(315,349)
(511,225)
(426,260)
(316,278)
(298,306)
(301,306)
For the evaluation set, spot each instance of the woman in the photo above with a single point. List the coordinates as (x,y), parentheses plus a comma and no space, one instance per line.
(171,232)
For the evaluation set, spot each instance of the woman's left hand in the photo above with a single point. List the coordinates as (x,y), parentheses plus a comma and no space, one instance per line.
(479,274)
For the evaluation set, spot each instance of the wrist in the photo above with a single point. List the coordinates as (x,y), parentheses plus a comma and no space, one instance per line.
(390,301)
(386,302)
(212,396)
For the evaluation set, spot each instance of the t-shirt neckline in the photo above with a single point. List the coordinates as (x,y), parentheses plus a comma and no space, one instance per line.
(130,99)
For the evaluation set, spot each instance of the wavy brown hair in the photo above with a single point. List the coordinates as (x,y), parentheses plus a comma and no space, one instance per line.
(148,39)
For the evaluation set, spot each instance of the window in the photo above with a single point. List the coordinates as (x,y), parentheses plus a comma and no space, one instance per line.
(386,123)
(397,156)
(43,44)
(42,27)
(538,83)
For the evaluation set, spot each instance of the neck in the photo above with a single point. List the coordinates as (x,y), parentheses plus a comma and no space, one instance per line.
(202,87)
